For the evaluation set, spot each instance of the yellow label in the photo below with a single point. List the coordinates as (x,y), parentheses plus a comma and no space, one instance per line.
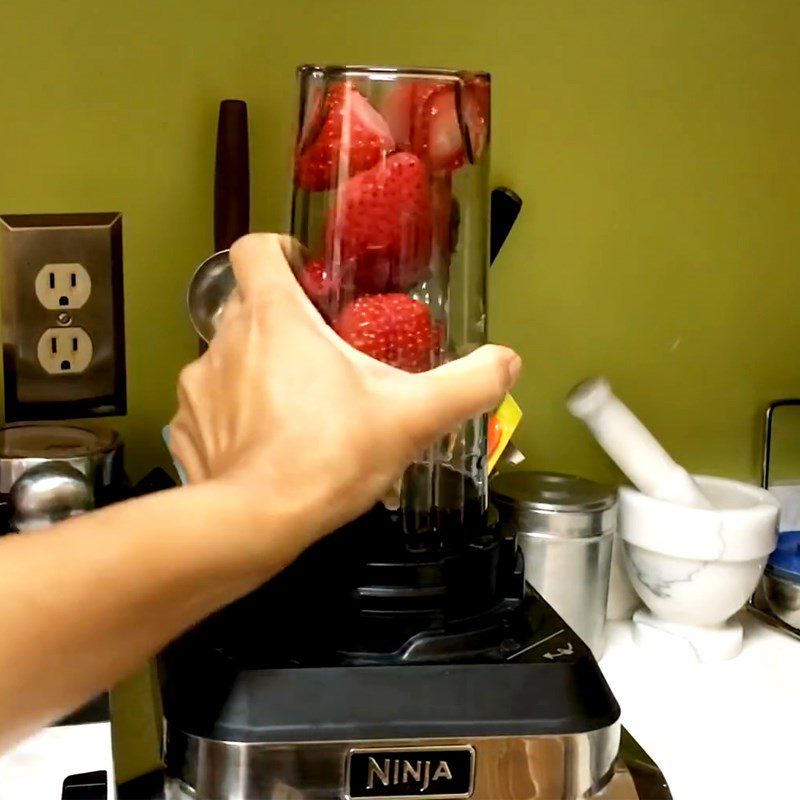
(502,424)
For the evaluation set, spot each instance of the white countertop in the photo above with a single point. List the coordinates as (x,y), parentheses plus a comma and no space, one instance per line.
(37,767)
(724,730)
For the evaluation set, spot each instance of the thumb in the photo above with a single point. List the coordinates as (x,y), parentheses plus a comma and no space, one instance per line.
(263,263)
(464,388)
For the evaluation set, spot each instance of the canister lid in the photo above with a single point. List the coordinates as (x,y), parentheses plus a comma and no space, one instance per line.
(44,440)
(552,504)
(94,450)
(551,491)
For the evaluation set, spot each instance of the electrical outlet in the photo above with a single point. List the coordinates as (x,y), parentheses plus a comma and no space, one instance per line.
(63,287)
(63,316)
(65,351)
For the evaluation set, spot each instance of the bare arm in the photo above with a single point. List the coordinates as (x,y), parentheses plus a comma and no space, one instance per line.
(285,432)
(87,602)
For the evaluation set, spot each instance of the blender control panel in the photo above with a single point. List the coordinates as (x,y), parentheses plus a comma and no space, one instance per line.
(560,645)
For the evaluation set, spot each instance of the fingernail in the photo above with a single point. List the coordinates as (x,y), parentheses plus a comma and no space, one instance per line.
(514,368)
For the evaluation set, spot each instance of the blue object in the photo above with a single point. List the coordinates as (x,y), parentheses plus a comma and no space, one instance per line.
(181,474)
(785,559)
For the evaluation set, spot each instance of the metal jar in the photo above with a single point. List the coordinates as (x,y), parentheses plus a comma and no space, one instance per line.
(50,472)
(565,527)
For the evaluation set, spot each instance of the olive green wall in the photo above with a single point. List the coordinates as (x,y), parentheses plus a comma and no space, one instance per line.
(655,145)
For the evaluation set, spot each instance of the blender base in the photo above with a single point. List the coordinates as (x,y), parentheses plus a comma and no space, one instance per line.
(621,786)
(369,670)
(577,755)
(496,768)
(541,723)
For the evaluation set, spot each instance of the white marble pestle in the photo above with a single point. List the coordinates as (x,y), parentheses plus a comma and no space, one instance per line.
(694,548)
(632,447)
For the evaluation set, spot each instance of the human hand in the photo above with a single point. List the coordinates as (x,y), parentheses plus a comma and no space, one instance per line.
(284,412)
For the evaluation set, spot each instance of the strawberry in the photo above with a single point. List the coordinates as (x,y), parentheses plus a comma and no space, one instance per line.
(477,115)
(327,288)
(441,136)
(380,225)
(495,434)
(393,328)
(402,108)
(445,214)
(345,132)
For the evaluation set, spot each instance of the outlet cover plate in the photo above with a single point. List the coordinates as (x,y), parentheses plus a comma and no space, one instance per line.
(28,244)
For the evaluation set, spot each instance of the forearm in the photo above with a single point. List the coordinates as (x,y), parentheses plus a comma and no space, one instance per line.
(87,602)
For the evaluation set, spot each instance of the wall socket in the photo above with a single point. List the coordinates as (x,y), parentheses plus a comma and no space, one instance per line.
(63,287)
(63,316)
(65,351)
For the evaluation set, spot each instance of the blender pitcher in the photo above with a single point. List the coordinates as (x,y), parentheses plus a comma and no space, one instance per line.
(390,197)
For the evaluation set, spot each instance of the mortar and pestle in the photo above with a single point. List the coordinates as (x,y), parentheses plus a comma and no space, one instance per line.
(694,547)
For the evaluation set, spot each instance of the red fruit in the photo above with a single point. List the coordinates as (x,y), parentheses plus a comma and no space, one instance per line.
(477,114)
(495,434)
(402,108)
(444,140)
(393,328)
(346,133)
(380,225)
(327,288)
(444,209)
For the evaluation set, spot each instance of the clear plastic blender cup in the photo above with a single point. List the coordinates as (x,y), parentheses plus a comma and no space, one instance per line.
(390,196)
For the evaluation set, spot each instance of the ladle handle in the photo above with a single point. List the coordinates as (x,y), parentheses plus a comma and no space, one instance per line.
(231,175)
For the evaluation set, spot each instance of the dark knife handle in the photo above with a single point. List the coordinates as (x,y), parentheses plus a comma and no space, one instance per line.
(505,209)
(232,175)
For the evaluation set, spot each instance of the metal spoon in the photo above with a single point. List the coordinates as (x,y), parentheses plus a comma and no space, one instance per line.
(210,287)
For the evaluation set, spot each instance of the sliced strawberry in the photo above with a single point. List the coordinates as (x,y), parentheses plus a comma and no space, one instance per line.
(444,209)
(392,328)
(477,115)
(380,225)
(445,139)
(439,138)
(397,109)
(328,289)
(312,117)
(402,108)
(346,135)
(495,434)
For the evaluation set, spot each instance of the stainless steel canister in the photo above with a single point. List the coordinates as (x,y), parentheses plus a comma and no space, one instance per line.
(565,527)
(52,471)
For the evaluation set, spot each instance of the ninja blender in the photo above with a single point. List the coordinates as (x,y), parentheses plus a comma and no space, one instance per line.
(403,655)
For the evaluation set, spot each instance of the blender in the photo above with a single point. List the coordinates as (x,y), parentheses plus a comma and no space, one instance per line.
(403,655)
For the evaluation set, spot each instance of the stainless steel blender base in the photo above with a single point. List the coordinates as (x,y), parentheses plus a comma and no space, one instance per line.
(500,768)
(620,787)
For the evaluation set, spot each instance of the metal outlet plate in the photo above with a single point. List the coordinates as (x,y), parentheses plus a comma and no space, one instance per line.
(62,290)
